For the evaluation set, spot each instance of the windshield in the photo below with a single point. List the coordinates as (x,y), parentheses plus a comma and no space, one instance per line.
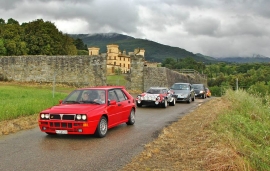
(180,87)
(84,96)
(154,91)
(197,86)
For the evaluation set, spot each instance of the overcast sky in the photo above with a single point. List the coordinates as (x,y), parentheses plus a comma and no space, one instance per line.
(217,28)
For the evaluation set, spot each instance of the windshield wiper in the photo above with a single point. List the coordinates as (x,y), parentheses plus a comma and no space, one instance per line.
(71,101)
(91,102)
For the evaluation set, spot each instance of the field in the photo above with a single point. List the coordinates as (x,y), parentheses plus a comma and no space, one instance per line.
(226,133)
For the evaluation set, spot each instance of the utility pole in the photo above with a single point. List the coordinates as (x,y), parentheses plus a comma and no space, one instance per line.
(236,84)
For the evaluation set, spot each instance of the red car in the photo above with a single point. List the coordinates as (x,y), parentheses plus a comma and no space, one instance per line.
(89,111)
(156,96)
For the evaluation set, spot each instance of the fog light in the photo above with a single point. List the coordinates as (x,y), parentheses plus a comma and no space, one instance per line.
(79,130)
(139,101)
(156,102)
(44,128)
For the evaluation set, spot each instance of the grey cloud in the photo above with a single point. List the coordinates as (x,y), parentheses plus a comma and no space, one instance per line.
(202,26)
(235,27)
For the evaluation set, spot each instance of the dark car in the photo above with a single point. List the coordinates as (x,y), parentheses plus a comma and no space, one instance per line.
(89,111)
(200,90)
(183,92)
(156,96)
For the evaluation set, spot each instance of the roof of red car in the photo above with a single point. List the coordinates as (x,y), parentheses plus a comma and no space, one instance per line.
(103,87)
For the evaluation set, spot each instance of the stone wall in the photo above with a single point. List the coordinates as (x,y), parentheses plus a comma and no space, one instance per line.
(88,71)
(72,70)
(164,77)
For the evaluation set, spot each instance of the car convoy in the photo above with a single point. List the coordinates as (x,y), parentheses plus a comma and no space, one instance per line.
(95,110)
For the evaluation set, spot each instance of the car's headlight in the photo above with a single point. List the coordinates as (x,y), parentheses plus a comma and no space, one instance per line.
(158,97)
(139,97)
(84,117)
(47,116)
(44,116)
(201,91)
(79,117)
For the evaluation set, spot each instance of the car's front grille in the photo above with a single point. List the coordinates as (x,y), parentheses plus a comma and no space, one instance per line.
(60,125)
(62,117)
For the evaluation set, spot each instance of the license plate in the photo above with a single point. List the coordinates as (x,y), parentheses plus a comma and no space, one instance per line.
(61,131)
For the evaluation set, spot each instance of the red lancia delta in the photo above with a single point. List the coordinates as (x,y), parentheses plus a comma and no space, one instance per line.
(89,111)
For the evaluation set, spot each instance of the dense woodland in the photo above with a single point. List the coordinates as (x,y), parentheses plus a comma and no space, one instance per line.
(36,38)
(43,38)
(253,77)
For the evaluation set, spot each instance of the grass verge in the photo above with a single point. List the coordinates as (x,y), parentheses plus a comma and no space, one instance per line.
(230,133)
(19,100)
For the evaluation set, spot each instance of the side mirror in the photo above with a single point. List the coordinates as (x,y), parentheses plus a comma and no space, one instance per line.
(60,101)
(112,102)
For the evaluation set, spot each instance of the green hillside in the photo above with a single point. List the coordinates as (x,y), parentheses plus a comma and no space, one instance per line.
(153,51)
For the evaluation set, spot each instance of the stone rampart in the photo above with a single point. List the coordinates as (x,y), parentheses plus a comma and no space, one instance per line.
(164,77)
(88,71)
(72,70)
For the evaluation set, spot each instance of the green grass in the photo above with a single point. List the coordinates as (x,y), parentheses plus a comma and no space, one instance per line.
(246,127)
(116,80)
(16,101)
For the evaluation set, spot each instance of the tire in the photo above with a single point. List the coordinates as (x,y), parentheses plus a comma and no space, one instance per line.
(172,103)
(131,118)
(189,99)
(193,99)
(165,104)
(102,127)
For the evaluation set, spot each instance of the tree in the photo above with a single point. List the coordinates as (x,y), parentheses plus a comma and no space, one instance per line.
(80,45)
(3,50)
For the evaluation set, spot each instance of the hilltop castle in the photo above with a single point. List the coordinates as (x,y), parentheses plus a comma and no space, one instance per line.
(117,60)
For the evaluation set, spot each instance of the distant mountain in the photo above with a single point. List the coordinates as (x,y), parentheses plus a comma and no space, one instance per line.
(254,59)
(153,51)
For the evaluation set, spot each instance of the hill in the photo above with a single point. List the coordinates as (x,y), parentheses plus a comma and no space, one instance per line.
(256,59)
(153,51)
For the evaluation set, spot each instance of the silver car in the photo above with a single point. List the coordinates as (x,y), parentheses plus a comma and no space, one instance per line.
(183,92)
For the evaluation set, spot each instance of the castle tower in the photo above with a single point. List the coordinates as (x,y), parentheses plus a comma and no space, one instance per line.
(139,51)
(112,53)
(93,51)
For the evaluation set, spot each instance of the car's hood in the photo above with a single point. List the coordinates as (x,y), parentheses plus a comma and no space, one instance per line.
(74,108)
(148,94)
(197,90)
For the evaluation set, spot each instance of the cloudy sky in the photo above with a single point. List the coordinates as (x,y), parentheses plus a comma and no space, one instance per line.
(218,28)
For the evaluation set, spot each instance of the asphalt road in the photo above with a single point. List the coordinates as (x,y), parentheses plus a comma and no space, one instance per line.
(33,150)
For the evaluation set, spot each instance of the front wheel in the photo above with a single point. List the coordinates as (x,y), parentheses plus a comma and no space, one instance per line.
(193,99)
(165,104)
(189,99)
(131,118)
(102,127)
(172,103)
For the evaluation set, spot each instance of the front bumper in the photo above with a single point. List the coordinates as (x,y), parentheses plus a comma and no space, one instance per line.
(180,98)
(67,127)
(149,102)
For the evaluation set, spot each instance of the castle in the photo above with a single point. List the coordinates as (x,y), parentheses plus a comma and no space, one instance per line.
(117,61)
